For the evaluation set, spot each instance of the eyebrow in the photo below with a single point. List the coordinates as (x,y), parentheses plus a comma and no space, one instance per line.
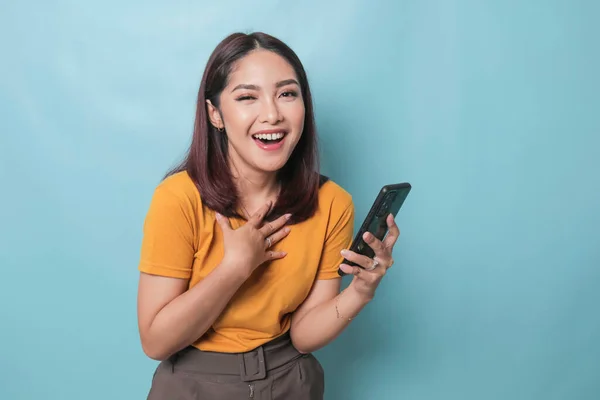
(277,85)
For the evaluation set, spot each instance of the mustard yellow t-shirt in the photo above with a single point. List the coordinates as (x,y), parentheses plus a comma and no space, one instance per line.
(182,239)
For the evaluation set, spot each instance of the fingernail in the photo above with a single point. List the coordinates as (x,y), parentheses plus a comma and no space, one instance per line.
(288,216)
(367,236)
(345,252)
(286,229)
(218,215)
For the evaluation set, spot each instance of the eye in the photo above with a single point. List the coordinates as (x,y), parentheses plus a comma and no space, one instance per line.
(289,93)
(246,97)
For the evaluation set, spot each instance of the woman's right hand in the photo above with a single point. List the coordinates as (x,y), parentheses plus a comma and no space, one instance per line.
(249,246)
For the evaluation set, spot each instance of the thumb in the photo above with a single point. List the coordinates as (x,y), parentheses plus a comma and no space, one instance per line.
(223,222)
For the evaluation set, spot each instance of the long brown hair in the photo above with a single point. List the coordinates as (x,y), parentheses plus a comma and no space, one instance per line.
(206,161)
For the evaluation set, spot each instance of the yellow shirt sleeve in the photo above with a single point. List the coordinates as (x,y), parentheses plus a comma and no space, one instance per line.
(339,237)
(168,244)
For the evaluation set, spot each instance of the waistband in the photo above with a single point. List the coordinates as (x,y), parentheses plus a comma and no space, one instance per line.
(250,366)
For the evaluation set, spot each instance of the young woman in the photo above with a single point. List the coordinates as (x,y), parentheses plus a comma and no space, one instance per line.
(242,242)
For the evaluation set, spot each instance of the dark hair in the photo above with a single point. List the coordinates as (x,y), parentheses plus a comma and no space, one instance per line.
(206,161)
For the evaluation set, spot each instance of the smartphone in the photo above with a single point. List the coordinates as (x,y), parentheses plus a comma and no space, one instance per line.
(388,201)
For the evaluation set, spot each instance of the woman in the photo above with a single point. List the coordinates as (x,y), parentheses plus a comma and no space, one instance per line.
(242,242)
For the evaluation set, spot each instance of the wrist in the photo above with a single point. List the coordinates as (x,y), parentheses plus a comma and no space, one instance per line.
(349,303)
(361,296)
(237,270)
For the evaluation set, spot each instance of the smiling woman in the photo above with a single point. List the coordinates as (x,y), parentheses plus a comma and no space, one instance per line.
(269,107)
(242,242)
(254,86)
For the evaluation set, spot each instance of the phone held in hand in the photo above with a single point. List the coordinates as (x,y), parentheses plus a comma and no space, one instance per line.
(388,201)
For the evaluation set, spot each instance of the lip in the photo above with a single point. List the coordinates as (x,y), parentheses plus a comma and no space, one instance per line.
(270,147)
(266,131)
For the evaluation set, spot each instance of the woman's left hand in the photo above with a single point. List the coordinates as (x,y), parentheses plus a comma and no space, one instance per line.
(367,278)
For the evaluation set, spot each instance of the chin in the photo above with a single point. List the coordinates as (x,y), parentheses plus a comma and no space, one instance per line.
(271,162)
(271,167)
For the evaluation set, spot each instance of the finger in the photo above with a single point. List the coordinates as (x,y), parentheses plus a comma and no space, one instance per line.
(275,255)
(258,216)
(383,254)
(369,277)
(383,264)
(393,233)
(374,243)
(350,270)
(359,259)
(223,222)
(270,227)
(280,234)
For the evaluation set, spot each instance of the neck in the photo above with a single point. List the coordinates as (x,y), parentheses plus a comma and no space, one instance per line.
(255,188)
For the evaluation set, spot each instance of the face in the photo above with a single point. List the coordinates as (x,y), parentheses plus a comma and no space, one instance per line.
(262,112)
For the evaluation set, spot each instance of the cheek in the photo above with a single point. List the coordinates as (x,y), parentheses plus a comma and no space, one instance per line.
(244,116)
(238,118)
(297,116)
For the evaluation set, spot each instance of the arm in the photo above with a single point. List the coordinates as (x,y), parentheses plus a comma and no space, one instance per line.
(316,322)
(170,317)
(325,313)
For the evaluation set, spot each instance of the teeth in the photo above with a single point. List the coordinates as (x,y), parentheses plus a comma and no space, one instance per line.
(269,136)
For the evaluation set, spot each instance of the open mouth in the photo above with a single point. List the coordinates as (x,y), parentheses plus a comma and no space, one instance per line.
(269,138)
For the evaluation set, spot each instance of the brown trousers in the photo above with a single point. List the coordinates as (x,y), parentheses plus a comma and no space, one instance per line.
(274,371)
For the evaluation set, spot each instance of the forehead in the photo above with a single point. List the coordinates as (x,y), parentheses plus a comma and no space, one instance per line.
(261,67)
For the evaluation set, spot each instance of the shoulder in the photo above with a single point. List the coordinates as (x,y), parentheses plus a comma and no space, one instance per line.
(332,195)
(175,207)
(177,193)
(336,208)
(179,185)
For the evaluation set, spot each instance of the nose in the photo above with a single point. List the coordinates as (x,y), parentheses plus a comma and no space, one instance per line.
(270,113)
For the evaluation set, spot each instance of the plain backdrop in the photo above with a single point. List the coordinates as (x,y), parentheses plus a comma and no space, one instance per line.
(490,109)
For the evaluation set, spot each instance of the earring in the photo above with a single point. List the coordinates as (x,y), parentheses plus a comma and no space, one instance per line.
(220,130)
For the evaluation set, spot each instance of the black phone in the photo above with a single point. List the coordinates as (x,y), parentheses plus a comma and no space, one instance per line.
(388,201)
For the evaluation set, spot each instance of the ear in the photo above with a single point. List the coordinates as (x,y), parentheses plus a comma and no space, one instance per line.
(214,115)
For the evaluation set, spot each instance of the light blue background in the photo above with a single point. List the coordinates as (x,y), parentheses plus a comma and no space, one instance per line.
(489,108)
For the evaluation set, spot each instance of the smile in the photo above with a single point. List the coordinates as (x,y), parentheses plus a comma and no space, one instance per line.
(269,140)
